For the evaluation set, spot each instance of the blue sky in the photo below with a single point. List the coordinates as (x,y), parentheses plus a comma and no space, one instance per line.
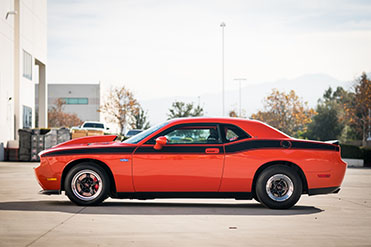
(173,48)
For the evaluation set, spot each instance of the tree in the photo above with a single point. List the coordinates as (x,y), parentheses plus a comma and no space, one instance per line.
(57,118)
(286,112)
(233,113)
(180,109)
(358,109)
(120,107)
(325,125)
(140,120)
(329,122)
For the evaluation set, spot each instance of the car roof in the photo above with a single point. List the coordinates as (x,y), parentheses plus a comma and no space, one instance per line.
(93,122)
(254,128)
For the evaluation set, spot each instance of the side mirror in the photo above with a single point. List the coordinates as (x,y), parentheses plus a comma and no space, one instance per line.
(107,128)
(160,142)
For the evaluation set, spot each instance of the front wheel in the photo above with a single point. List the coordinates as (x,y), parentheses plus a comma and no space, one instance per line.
(87,184)
(279,187)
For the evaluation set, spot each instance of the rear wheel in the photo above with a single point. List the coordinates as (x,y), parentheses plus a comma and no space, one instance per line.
(87,184)
(279,187)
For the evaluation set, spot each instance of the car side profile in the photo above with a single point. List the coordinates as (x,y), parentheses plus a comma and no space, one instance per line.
(194,158)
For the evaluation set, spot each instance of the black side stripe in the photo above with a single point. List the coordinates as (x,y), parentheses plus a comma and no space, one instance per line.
(249,145)
(262,144)
(104,150)
(229,148)
(314,145)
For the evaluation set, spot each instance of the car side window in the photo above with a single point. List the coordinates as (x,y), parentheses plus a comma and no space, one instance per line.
(230,135)
(193,135)
(233,133)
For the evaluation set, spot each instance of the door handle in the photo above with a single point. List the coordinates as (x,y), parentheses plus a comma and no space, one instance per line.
(212,150)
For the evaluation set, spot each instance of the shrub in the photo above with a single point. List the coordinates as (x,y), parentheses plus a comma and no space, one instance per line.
(367,156)
(351,152)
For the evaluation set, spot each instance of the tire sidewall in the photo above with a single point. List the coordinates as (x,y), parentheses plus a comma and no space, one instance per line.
(262,181)
(83,166)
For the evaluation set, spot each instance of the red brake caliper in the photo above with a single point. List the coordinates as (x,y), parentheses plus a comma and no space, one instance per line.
(97,185)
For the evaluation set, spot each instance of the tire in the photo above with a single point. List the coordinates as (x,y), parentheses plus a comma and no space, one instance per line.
(279,187)
(255,197)
(87,184)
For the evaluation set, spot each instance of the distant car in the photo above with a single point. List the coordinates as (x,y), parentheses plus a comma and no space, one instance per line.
(133,132)
(92,125)
(194,158)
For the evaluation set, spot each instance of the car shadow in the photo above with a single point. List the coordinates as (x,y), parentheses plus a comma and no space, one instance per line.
(156,208)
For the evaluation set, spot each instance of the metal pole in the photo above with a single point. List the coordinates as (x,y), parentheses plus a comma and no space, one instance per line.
(240,99)
(222,25)
(240,81)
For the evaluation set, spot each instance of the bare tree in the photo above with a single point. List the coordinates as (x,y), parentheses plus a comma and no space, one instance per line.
(58,118)
(120,107)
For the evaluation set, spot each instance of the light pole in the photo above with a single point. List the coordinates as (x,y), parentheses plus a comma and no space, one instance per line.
(240,80)
(222,25)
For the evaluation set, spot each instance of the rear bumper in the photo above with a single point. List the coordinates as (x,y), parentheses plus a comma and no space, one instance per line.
(320,191)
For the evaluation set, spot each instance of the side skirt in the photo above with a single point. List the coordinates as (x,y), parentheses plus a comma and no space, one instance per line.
(50,192)
(154,195)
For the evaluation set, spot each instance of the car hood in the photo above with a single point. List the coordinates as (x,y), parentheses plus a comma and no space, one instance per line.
(84,142)
(88,140)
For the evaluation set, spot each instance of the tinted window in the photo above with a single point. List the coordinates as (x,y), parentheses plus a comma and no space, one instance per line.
(94,125)
(193,135)
(233,133)
(76,101)
(133,132)
(137,138)
(27,65)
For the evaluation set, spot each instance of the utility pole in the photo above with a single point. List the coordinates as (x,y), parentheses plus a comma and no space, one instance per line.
(240,80)
(222,25)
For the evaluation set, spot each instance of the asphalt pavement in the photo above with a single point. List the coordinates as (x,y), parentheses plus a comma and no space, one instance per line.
(30,219)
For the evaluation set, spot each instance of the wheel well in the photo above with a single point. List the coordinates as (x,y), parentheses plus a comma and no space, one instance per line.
(286,163)
(97,162)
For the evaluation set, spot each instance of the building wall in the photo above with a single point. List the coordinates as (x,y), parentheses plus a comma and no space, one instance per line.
(91,92)
(33,39)
(25,30)
(6,72)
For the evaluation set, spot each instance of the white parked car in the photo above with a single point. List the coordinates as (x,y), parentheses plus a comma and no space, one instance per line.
(92,125)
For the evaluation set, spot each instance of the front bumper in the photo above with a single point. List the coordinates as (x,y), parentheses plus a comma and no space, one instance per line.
(48,180)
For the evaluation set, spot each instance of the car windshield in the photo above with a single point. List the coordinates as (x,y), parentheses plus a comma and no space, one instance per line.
(133,132)
(137,138)
(93,125)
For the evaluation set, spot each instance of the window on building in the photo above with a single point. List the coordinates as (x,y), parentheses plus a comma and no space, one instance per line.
(27,65)
(27,117)
(76,101)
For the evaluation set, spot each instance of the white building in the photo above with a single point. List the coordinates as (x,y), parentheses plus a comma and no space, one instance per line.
(80,99)
(23,59)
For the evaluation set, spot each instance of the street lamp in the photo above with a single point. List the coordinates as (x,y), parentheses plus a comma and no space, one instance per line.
(222,25)
(240,80)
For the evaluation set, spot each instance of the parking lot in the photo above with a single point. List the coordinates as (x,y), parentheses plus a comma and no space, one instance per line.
(30,219)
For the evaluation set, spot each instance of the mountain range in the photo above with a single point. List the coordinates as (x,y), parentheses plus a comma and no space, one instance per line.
(308,87)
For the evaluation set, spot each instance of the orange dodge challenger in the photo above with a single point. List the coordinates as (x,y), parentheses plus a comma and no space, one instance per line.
(194,158)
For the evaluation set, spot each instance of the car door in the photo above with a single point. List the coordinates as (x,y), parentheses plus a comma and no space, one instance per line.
(191,161)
